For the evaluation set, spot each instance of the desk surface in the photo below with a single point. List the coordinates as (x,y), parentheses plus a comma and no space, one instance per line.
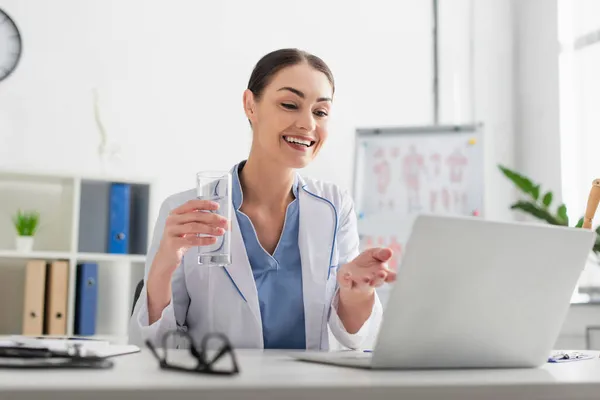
(274,375)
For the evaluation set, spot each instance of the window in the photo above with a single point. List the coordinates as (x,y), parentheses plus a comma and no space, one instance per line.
(579,36)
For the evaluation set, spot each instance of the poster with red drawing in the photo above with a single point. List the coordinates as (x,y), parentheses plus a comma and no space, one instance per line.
(412,167)
(402,173)
(456,162)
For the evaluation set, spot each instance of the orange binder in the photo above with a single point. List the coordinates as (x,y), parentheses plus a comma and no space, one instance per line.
(35,290)
(56,298)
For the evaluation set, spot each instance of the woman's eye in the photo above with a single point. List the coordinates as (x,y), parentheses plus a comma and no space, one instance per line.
(289,106)
(320,113)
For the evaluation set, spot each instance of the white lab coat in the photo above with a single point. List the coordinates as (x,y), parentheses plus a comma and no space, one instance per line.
(216,299)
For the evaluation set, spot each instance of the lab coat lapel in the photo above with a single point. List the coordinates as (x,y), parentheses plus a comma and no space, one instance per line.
(316,240)
(240,271)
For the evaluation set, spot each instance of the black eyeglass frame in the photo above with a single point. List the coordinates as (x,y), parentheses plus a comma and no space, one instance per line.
(204,365)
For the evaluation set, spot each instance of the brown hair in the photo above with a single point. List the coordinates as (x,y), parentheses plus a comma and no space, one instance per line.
(277,60)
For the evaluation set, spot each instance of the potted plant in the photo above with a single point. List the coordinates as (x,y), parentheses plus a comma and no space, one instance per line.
(538,204)
(26,224)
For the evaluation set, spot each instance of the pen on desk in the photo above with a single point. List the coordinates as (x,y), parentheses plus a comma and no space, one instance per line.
(66,338)
(368,351)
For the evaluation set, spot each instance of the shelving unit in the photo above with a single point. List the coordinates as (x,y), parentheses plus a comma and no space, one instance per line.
(72,228)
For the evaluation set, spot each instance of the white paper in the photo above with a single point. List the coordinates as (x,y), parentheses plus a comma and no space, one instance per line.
(99,348)
(58,343)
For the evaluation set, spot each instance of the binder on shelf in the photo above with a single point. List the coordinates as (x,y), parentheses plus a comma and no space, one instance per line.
(119,215)
(34,300)
(86,298)
(93,217)
(56,298)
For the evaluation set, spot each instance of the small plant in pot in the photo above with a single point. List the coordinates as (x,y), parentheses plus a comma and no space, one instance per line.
(26,224)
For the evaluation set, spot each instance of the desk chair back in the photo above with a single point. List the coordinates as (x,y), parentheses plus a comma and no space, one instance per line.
(136,295)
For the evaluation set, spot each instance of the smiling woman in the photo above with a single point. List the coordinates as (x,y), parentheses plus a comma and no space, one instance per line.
(288,101)
(296,268)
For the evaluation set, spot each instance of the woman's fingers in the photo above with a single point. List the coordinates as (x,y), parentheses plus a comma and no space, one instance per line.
(194,228)
(194,223)
(195,205)
(378,278)
(191,241)
(360,281)
(391,276)
(204,217)
(345,280)
(374,276)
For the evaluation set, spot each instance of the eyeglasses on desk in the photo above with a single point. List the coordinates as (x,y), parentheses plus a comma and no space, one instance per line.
(214,356)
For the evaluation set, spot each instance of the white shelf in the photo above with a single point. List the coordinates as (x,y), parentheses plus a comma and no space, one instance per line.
(110,257)
(37,176)
(49,255)
(65,202)
(60,255)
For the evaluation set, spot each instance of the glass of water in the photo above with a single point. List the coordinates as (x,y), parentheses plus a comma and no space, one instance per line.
(216,186)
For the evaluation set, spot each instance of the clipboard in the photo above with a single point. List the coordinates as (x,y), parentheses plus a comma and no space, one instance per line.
(75,356)
(52,363)
(41,358)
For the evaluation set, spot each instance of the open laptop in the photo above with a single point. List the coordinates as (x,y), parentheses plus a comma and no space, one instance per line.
(472,293)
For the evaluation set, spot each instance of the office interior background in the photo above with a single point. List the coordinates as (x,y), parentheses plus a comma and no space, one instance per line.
(151,92)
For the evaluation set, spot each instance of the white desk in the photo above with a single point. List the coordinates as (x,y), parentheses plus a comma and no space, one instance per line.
(273,375)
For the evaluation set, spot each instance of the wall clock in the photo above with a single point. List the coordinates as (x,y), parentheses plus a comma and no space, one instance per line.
(10,45)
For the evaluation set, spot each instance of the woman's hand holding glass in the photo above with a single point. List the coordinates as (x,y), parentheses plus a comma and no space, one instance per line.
(190,225)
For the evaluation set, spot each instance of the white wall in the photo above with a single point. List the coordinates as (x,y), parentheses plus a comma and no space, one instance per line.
(538,144)
(499,66)
(170,76)
(456,61)
(579,97)
(477,85)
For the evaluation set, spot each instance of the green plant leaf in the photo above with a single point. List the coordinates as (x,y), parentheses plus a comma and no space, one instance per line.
(520,181)
(535,192)
(547,200)
(580,223)
(562,214)
(536,211)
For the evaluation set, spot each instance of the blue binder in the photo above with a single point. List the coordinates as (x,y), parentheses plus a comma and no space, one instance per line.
(119,215)
(86,299)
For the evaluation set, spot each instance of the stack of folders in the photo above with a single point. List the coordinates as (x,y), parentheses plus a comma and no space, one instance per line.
(46,298)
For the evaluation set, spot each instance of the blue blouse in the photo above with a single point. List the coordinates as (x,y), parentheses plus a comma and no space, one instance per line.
(278,277)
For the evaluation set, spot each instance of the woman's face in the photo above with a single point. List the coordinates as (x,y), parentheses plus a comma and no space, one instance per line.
(290,119)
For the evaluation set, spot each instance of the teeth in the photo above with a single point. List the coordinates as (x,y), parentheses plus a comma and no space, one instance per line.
(306,143)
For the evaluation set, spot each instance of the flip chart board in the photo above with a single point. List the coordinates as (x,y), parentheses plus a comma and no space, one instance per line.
(402,172)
